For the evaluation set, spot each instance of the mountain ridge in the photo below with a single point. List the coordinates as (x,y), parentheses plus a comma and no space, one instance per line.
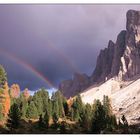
(121,59)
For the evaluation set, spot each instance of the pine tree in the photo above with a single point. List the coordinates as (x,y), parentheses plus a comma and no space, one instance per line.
(14,117)
(124,120)
(45,99)
(78,108)
(41,122)
(66,108)
(79,103)
(76,115)
(55,107)
(23,103)
(57,104)
(38,102)
(98,119)
(49,108)
(41,100)
(1,114)
(32,112)
(55,119)
(58,107)
(113,122)
(110,119)
(71,114)
(85,120)
(3,76)
(46,119)
(107,106)
(123,125)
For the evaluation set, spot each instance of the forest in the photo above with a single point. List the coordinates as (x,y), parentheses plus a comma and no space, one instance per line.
(44,114)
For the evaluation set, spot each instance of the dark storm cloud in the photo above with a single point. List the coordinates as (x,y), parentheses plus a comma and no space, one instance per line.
(56,40)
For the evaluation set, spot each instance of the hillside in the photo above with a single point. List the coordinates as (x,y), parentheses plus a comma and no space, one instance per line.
(125,97)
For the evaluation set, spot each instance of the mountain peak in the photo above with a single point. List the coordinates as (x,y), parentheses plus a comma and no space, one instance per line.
(120,59)
(133,21)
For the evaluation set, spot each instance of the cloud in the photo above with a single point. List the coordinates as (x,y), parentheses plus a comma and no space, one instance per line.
(57,40)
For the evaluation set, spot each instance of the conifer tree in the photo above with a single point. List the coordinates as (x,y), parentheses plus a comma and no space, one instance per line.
(45,98)
(1,114)
(98,119)
(124,120)
(110,119)
(78,108)
(49,108)
(41,122)
(113,122)
(23,103)
(57,104)
(71,114)
(3,76)
(38,102)
(32,112)
(55,119)
(59,100)
(65,106)
(14,117)
(85,120)
(46,119)
(107,106)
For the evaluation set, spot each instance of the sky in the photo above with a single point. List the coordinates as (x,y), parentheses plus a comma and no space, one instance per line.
(42,45)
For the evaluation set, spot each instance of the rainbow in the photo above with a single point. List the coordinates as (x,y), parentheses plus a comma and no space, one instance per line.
(28,66)
(65,58)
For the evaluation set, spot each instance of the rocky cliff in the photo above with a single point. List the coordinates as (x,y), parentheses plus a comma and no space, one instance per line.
(75,85)
(120,59)
(125,53)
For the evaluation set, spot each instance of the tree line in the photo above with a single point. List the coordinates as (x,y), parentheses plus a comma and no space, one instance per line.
(97,118)
(48,111)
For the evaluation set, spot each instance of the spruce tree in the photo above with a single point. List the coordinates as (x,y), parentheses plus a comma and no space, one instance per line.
(79,103)
(41,122)
(124,120)
(45,99)
(98,119)
(113,122)
(32,112)
(110,119)
(3,76)
(85,120)
(57,104)
(23,103)
(49,108)
(58,107)
(38,102)
(107,106)
(14,117)
(55,119)
(71,114)
(1,114)
(46,119)
(78,108)
(66,108)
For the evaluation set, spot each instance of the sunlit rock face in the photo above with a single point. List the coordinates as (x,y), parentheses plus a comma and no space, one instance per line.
(15,91)
(123,60)
(130,61)
(120,59)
